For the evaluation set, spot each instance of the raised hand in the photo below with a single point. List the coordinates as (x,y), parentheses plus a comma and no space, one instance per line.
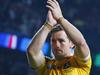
(50,19)
(54,6)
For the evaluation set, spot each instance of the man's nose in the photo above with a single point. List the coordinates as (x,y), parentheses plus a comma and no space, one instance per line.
(57,44)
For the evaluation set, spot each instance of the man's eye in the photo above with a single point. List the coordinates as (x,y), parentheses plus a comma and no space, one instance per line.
(61,40)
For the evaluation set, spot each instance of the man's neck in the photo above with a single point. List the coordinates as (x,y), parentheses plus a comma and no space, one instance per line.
(60,59)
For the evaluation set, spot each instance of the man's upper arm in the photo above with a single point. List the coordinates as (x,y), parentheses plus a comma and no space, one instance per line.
(36,60)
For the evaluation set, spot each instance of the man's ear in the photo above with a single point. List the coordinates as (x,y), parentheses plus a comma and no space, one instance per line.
(72,44)
(72,47)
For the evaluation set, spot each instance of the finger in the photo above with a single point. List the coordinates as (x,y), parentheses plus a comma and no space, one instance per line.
(49,7)
(56,2)
(51,3)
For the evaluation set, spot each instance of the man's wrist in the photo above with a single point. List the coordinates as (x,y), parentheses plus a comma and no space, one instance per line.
(60,20)
(48,25)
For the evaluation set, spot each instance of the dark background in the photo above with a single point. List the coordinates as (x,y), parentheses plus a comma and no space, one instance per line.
(23,18)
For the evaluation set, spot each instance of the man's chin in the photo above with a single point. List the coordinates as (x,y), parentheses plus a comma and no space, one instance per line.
(59,56)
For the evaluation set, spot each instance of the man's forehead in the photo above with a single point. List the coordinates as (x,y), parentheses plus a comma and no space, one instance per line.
(59,35)
(62,32)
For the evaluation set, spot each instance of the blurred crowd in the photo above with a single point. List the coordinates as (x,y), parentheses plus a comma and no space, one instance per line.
(14,63)
(25,17)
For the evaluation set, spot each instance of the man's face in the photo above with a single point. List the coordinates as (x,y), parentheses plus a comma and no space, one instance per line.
(60,44)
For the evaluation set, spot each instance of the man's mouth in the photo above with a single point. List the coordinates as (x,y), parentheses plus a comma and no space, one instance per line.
(58,50)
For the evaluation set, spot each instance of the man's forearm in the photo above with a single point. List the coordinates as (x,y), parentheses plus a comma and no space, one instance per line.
(82,50)
(73,33)
(38,40)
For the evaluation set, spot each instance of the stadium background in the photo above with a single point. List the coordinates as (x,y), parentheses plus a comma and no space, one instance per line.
(21,19)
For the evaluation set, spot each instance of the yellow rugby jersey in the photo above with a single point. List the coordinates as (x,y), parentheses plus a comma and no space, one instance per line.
(70,66)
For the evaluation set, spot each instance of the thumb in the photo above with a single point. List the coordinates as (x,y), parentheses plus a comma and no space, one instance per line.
(49,14)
